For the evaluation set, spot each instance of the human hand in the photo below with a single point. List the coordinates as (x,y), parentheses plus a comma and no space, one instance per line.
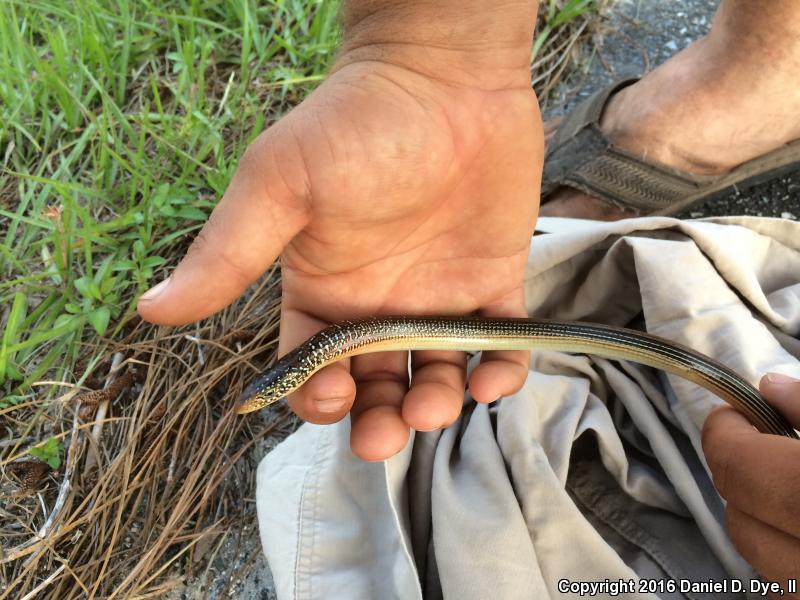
(389,190)
(759,477)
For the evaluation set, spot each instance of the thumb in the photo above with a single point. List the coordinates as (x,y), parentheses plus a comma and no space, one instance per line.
(264,207)
(783,392)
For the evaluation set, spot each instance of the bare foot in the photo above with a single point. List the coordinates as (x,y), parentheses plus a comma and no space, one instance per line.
(713,106)
(569,202)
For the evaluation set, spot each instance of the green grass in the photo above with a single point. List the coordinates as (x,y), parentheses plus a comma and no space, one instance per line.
(120,125)
(50,452)
(554,15)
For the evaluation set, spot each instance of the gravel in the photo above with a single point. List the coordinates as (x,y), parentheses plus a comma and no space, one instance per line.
(638,36)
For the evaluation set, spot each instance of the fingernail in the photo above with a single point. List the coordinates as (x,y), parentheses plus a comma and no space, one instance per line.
(780,378)
(331,405)
(155,290)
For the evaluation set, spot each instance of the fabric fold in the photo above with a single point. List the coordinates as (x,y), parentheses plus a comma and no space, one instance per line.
(593,471)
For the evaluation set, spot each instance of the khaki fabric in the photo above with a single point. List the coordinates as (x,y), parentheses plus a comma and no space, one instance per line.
(592,472)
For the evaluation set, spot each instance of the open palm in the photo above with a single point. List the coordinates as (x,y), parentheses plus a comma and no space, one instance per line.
(384,192)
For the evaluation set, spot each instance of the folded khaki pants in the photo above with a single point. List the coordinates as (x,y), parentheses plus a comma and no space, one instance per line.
(591,475)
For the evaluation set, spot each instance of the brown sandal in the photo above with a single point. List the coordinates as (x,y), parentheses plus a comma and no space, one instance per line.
(581,156)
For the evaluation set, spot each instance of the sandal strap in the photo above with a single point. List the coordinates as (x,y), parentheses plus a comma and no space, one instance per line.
(582,157)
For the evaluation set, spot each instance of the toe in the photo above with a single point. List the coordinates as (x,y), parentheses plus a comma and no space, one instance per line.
(575,204)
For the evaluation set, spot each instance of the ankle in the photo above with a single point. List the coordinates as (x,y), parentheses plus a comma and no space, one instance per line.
(764,34)
(705,113)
